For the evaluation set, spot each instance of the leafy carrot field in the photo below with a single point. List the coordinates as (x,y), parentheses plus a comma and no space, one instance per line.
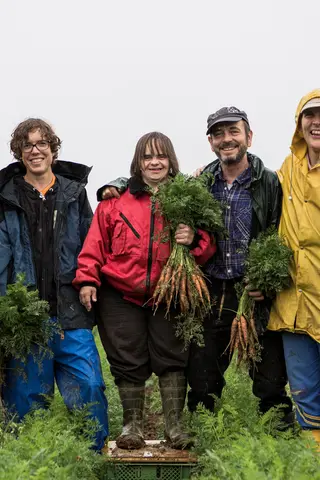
(235,443)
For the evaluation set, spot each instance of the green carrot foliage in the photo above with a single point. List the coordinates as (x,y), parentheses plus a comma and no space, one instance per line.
(24,321)
(186,199)
(266,270)
(267,263)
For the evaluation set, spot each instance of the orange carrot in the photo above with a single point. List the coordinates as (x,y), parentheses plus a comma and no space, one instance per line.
(164,285)
(160,281)
(168,275)
(253,328)
(167,296)
(204,288)
(184,304)
(190,293)
(241,343)
(236,339)
(172,288)
(198,286)
(177,282)
(233,331)
(244,329)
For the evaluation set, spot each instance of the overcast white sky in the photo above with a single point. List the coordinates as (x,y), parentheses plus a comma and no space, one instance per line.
(104,72)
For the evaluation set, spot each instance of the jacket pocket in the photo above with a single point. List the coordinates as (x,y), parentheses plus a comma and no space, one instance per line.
(124,218)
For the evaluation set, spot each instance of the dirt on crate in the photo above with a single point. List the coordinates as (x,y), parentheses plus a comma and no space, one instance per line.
(154,451)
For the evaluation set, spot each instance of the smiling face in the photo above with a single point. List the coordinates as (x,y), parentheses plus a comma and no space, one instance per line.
(310,127)
(154,165)
(39,160)
(230,141)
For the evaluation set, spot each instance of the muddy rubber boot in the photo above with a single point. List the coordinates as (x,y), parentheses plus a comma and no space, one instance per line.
(132,399)
(173,388)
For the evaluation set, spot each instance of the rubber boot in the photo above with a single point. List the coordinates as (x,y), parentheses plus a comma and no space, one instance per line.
(132,399)
(173,389)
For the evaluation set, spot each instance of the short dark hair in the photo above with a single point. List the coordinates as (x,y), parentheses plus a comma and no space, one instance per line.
(20,135)
(157,142)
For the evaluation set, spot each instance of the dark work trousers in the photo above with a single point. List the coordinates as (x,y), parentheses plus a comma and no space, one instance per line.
(208,364)
(137,341)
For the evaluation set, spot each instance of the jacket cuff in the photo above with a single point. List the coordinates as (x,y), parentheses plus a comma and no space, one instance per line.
(195,242)
(87,284)
(121,184)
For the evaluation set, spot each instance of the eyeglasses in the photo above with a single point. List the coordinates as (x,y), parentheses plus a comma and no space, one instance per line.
(41,146)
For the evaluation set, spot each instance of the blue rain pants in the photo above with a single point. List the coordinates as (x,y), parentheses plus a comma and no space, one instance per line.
(76,368)
(302,354)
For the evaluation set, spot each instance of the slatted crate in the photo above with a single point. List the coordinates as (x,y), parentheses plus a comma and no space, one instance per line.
(153,462)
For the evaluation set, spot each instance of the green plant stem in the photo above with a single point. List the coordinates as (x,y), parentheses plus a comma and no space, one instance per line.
(246,305)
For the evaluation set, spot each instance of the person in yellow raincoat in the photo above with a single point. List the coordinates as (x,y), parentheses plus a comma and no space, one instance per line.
(296,310)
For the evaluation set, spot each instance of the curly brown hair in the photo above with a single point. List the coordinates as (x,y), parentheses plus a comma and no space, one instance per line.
(20,136)
(158,142)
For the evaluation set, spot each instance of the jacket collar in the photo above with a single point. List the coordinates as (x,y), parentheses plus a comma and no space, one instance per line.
(70,170)
(257,167)
(73,171)
(70,176)
(137,186)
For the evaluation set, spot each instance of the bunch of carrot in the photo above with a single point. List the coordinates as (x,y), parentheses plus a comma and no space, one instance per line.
(266,270)
(182,283)
(244,337)
(186,199)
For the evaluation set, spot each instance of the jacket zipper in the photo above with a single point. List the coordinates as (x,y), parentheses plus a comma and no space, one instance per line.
(44,227)
(60,217)
(130,225)
(59,222)
(149,265)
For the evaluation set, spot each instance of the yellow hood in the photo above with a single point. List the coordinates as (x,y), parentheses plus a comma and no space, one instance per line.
(298,144)
(297,307)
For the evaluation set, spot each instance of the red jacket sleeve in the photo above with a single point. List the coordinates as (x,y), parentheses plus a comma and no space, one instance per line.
(205,248)
(95,248)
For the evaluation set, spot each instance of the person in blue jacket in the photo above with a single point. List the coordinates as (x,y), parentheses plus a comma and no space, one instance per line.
(44,219)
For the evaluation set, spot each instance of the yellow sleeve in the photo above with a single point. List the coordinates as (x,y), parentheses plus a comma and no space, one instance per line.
(283,171)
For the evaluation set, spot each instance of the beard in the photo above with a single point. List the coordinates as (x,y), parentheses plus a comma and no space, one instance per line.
(235,159)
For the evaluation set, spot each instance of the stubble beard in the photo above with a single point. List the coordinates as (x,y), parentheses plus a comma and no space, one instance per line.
(233,160)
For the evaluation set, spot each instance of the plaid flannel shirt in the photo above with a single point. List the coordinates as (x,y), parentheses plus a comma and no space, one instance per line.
(228,262)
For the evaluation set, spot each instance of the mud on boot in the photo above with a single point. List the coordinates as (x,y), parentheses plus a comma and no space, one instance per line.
(173,388)
(179,438)
(132,399)
(130,438)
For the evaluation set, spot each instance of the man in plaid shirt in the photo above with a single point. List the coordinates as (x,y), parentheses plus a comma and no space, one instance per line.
(236,201)
(251,198)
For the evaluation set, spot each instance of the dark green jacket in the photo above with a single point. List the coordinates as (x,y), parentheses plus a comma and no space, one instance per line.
(266,194)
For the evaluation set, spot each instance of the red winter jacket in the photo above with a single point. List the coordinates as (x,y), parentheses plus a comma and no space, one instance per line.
(124,243)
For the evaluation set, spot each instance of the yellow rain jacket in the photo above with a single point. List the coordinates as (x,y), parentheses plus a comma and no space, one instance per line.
(298,307)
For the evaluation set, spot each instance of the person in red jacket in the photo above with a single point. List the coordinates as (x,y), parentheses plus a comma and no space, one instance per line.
(122,257)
